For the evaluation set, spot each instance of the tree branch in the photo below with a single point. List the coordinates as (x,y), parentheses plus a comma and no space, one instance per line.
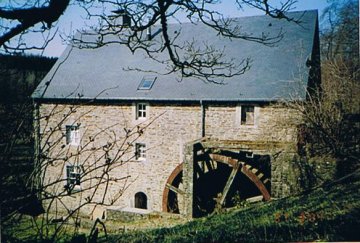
(32,16)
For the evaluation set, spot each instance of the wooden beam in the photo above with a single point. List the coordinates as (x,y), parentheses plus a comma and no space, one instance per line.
(174,189)
(266,181)
(255,199)
(198,170)
(209,165)
(228,185)
(224,159)
(246,170)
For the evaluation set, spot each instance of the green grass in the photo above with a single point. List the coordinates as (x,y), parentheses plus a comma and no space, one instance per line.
(328,213)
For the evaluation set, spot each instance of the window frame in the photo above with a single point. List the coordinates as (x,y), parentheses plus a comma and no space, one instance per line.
(140,151)
(72,134)
(149,81)
(245,109)
(239,110)
(73,175)
(141,111)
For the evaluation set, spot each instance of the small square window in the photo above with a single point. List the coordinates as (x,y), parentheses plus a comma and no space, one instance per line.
(247,115)
(141,111)
(140,151)
(73,134)
(73,175)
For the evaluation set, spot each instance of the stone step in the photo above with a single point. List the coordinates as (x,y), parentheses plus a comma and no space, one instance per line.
(126,214)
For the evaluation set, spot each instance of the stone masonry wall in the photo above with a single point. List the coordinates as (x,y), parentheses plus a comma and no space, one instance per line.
(105,136)
(272,123)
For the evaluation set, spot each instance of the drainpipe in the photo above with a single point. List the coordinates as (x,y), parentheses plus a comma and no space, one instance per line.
(36,130)
(202,118)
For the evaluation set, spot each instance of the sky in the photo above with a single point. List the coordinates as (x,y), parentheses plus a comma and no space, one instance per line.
(74,18)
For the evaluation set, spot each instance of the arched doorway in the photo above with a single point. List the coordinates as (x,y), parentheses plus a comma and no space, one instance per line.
(140,200)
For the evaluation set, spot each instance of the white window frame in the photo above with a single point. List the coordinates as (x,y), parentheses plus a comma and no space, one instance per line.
(72,134)
(141,111)
(140,151)
(73,175)
(239,111)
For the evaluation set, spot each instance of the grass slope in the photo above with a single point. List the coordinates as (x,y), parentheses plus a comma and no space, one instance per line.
(328,213)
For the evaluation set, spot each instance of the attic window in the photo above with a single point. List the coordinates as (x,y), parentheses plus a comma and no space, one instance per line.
(147,83)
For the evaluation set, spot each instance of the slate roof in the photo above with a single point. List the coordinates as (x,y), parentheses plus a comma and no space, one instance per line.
(275,73)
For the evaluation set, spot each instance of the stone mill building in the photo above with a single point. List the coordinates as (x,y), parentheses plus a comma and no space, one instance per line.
(113,137)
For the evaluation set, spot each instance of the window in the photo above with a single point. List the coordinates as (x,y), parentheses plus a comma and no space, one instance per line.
(247,115)
(73,175)
(141,111)
(140,151)
(73,135)
(140,200)
(147,83)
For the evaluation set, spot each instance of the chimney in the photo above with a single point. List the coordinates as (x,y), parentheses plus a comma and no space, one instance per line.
(123,15)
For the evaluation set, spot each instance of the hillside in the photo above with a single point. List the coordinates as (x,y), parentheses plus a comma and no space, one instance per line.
(19,75)
(328,213)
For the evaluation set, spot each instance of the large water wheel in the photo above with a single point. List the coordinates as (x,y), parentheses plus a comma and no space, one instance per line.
(221,179)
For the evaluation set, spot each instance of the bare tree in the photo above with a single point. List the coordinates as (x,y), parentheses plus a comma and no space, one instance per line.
(331,111)
(340,34)
(206,62)
(75,175)
(331,118)
(32,16)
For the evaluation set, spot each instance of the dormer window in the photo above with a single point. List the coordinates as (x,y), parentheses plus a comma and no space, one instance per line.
(146,83)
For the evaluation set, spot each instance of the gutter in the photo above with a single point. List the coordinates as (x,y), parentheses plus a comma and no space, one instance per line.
(142,99)
(202,118)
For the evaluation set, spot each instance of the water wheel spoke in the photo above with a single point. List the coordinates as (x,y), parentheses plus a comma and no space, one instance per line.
(228,185)
(174,189)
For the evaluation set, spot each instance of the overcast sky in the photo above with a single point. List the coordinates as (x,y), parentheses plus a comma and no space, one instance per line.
(74,19)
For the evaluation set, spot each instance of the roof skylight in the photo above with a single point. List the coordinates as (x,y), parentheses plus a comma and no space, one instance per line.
(147,82)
